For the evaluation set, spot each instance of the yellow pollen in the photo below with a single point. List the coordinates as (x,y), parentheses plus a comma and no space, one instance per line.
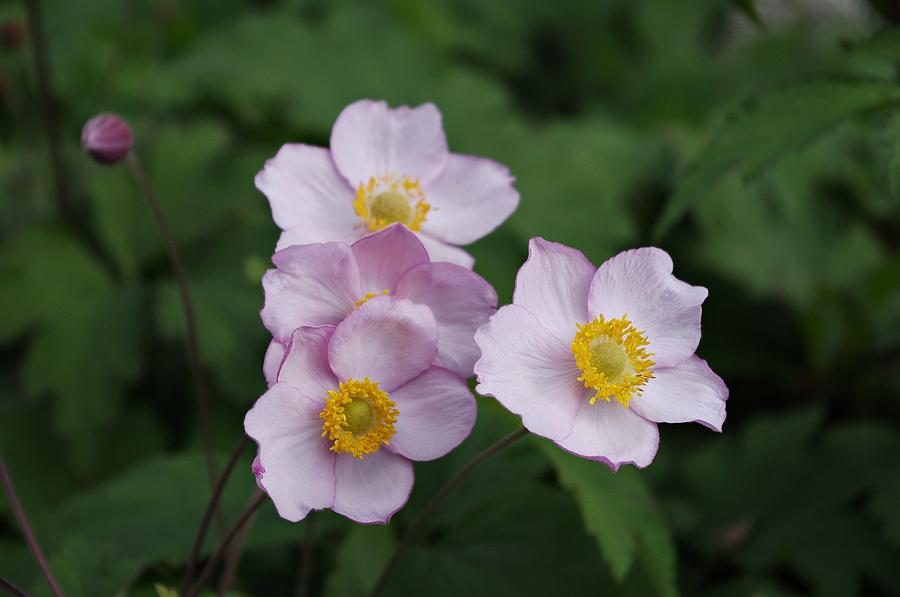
(369,295)
(386,200)
(613,359)
(358,417)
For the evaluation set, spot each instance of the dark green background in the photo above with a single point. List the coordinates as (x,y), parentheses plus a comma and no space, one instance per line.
(758,147)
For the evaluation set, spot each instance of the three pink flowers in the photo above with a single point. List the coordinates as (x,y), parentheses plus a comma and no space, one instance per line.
(377,321)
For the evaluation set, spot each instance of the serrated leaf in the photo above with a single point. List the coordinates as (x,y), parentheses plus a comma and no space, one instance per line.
(85,345)
(620,512)
(768,127)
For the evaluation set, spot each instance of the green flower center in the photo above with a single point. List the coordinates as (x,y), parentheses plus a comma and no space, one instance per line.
(391,206)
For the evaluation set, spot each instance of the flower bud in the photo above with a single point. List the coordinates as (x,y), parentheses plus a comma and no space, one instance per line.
(107,138)
(12,34)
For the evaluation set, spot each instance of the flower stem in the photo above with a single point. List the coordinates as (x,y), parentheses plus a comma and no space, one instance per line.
(211,507)
(233,559)
(304,578)
(29,535)
(187,306)
(223,546)
(49,106)
(419,523)
(12,589)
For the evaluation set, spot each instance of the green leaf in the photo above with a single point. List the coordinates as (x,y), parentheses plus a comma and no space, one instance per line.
(505,530)
(620,512)
(360,558)
(769,127)
(85,345)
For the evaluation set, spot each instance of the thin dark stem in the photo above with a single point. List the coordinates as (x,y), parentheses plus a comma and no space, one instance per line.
(188,307)
(233,559)
(211,507)
(304,576)
(49,106)
(223,546)
(438,499)
(11,588)
(29,535)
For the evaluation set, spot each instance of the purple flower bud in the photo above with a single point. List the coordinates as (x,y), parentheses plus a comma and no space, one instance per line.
(12,34)
(107,138)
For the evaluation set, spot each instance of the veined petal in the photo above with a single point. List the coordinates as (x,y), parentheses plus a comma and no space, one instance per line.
(470,198)
(461,301)
(272,361)
(529,371)
(305,366)
(608,432)
(441,251)
(640,283)
(384,256)
(553,284)
(311,285)
(371,490)
(388,340)
(371,139)
(299,468)
(689,391)
(437,412)
(309,198)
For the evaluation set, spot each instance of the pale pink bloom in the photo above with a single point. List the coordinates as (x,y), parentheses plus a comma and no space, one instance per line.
(370,386)
(387,166)
(594,358)
(320,284)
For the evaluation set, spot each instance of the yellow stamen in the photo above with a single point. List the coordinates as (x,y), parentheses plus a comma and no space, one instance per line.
(613,359)
(386,200)
(358,417)
(369,295)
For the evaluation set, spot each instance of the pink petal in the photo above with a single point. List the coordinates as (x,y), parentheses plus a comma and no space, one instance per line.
(272,361)
(372,489)
(371,139)
(309,198)
(610,433)
(461,301)
(311,285)
(256,468)
(529,371)
(553,284)
(384,256)
(306,364)
(470,198)
(640,283)
(437,412)
(386,339)
(441,251)
(299,468)
(688,392)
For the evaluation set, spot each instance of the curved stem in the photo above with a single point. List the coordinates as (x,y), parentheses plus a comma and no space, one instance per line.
(188,307)
(211,507)
(49,107)
(11,588)
(223,546)
(304,578)
(438,499)
(233,559)
(29,535)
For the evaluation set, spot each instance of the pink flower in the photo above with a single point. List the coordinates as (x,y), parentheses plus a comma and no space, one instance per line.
(321,284)
(594,358)
(387,166)
(351,407)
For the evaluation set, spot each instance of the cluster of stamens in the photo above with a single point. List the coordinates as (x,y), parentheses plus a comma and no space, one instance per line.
(613,359)
(388,199)
(369,295)
(358,417)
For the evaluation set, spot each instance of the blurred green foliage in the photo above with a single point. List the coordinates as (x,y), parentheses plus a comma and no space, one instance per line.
(757,142)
